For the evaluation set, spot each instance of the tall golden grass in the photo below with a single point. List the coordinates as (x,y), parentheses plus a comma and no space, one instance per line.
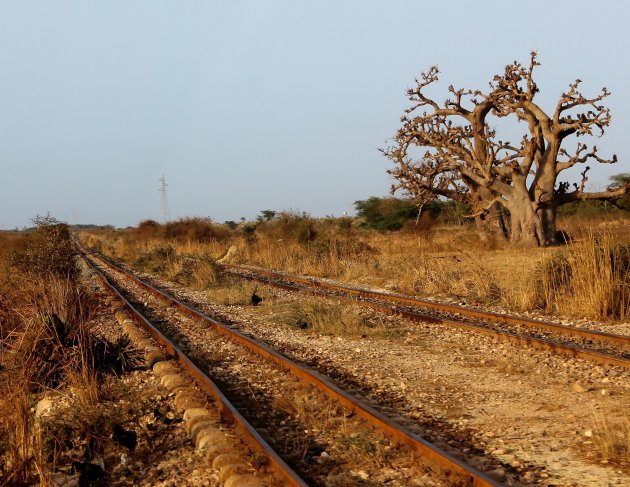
(40,353)
(588,278)
(38,293)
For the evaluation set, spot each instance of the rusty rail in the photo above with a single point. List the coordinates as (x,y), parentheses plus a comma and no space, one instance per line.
(543,344)
(455,471)
(280,470)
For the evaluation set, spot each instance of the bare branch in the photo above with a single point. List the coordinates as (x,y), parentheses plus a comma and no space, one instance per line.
(579,195)
(583,123)
(581,156)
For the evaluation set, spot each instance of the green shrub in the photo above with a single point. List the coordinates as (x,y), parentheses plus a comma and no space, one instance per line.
(588,209)
(385,213)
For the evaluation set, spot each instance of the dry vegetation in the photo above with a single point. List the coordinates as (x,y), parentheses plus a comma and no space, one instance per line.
(587,278)
(46,350)
(327,317)
(611,431)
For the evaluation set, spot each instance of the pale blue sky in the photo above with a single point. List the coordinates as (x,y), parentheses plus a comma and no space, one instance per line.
(250,105)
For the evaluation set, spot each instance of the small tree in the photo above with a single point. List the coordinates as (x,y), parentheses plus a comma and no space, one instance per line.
(268,215)
(465,161)
(619,181)
(49,250)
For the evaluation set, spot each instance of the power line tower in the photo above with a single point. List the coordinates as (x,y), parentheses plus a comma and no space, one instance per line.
(162,189)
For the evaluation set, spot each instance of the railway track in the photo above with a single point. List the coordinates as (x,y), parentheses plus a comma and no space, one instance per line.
(284,474)
(600,347)
(278,372)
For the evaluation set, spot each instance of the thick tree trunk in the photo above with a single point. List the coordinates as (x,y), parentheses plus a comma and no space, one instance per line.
(495,221)
(499,216)
(548,221)
(526,227)
(544,193)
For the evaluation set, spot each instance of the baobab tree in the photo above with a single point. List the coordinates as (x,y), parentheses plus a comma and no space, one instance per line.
(452,150)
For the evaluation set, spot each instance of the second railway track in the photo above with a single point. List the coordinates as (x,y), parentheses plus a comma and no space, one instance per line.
(268,390)
(604,348)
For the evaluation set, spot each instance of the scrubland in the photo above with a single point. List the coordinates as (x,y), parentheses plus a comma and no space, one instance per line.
(586,278)
(48,348)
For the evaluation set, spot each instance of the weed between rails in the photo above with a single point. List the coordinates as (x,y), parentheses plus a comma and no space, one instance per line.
(230,293)
(328,419)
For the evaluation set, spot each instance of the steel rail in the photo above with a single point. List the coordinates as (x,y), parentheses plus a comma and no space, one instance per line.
(539,343)
(454,470)
(280,470)
(609,338)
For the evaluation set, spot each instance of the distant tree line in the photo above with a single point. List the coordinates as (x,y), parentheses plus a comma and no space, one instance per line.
(393,213)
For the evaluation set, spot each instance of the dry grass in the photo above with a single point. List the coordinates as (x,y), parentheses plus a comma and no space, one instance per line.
(230,293)
(43,354)
(589,278)
(349,444)
(45,346)
(307,411)
(430,275)
(16,438)
(324,317)
(444,261)
(206,274)
(611,434)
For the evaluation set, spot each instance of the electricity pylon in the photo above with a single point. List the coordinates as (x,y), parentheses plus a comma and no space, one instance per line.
(162,189)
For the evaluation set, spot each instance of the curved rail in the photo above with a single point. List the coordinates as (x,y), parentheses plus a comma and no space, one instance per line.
(454,470)
(281,471)
(540,343)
